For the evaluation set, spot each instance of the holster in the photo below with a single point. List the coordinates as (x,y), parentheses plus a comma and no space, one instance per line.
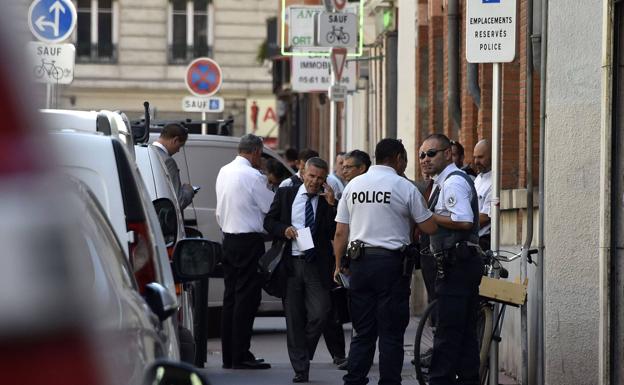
(411,259)
(355,250)
(444,260)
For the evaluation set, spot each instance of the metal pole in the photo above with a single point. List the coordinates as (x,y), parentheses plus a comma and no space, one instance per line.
(332,132)
(49,91)
(495,209)
(542,154)
(204,129)
(524,377)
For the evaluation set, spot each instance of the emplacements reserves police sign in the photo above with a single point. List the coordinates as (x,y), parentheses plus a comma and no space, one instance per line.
(490,31)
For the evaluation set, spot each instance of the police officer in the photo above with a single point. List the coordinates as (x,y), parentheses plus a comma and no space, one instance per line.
(459,267)
(377,211)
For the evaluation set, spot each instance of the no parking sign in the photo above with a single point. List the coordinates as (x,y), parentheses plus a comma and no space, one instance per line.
(203,77)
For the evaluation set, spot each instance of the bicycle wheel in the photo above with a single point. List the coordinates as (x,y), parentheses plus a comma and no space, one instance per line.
(484,335)
(331,37)
(344,38)
(423,344)
(38,71)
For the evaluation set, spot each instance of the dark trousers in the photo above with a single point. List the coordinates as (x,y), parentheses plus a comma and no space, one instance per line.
(455,357)
(379,308)
(428,269)
(333,332)
(242,294)
(306,307)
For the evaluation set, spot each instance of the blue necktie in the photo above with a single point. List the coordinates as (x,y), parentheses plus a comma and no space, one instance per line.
(309,222)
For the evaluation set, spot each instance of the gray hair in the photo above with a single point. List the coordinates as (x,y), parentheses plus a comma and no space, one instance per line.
(318,163)
(249,143)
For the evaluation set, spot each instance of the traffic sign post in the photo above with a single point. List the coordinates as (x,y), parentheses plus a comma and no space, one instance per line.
(200,104)
(52,63)
(52,21)
(491,38)
(336,29)
(338,60)
(203,79)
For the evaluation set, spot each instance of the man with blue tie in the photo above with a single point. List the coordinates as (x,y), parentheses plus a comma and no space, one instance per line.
(307,301)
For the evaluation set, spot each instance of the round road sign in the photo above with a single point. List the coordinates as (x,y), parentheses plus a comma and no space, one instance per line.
(52,21)
(203,77)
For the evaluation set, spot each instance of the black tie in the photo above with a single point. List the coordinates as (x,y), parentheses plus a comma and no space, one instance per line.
(309,222)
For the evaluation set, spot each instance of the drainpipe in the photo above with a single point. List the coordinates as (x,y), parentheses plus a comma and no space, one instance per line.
(542,153)
(472,77)
(524,377)
(453,64)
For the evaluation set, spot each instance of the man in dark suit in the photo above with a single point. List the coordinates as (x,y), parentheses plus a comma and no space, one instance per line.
(307,301)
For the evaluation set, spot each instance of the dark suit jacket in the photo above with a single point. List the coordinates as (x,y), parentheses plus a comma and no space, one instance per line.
(278,219)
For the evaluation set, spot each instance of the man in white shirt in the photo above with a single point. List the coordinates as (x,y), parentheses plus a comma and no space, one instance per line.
(172,138)
(243,199)
(482,157)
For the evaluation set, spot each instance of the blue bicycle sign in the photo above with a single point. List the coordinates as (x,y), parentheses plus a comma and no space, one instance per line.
(52,21)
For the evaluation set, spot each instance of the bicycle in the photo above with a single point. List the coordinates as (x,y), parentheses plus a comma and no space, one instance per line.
(337,34)
(49,68)
(489,293)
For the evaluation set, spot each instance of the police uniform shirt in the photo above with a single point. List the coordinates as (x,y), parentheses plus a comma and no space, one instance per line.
(455,195)
(379,207)
(297,214)
(483,185)
(288,182)
(243,198)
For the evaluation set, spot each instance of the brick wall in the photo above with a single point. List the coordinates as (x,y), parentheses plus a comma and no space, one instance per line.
(476,121)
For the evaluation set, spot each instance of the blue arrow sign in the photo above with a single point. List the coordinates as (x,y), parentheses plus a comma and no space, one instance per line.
(52,21)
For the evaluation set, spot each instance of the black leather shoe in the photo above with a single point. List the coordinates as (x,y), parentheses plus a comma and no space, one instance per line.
(339,360)
(344,365)
(251,365)
(300,377)
(249,356)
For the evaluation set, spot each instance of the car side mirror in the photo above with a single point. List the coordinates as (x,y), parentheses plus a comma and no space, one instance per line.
(160,301)
(168,219)
(163,372)
(195,258)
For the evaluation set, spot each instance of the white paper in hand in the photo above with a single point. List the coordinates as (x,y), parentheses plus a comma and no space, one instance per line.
(304,239)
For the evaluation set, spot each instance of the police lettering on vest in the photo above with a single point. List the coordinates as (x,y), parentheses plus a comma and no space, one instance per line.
(371,197)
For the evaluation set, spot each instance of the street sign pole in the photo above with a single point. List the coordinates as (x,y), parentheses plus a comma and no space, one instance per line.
(49,91)
(204,129)
(332,128)
(495,209)
(338,59)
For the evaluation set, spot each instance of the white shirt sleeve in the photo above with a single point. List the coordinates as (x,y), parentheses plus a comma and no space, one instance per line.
(418,207)
(342,213)
(286,182)
(261,194)
(487,203)
(457,195)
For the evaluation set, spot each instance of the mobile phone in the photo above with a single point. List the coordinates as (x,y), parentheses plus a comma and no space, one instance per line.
(344,280)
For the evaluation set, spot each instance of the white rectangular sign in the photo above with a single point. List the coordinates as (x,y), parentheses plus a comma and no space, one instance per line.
(301,20)
(336,29)
(490,31)
(52,63)
(313,74)
(199,104)
(337,93)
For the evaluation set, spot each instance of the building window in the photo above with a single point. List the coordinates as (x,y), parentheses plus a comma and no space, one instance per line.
(96,32)
(190,34)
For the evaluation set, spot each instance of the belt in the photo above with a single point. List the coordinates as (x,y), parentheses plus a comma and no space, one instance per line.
(302,257)
(381,251)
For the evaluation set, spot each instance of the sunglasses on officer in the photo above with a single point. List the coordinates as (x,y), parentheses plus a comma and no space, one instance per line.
(430,153)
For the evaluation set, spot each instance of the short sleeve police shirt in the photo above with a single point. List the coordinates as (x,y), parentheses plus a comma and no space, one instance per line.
(380,207)
(455,195)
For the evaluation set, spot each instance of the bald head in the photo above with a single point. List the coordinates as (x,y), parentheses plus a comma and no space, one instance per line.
(482,156)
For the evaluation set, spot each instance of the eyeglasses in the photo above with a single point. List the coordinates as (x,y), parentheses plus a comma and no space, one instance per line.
(430,153)
(349,166)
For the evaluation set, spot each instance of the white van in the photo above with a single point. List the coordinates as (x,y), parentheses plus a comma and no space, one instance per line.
(104,165)
(200,161)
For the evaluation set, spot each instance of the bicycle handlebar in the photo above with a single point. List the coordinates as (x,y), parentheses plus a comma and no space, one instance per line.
(502,258)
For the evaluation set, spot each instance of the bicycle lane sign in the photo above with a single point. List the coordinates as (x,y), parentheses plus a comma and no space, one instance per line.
(52,64)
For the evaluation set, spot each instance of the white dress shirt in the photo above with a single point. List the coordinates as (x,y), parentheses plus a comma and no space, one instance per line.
(297,214)
(243,198)
(380,207)
(455,195)
(288,181)
(483,185)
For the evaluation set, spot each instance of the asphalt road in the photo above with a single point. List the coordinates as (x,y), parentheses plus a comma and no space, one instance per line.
(269,342)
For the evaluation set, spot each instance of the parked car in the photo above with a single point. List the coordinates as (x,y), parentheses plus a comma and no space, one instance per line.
(104,164)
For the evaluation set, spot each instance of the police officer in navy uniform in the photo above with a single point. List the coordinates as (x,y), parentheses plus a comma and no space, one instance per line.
(378,210)
(459,267)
